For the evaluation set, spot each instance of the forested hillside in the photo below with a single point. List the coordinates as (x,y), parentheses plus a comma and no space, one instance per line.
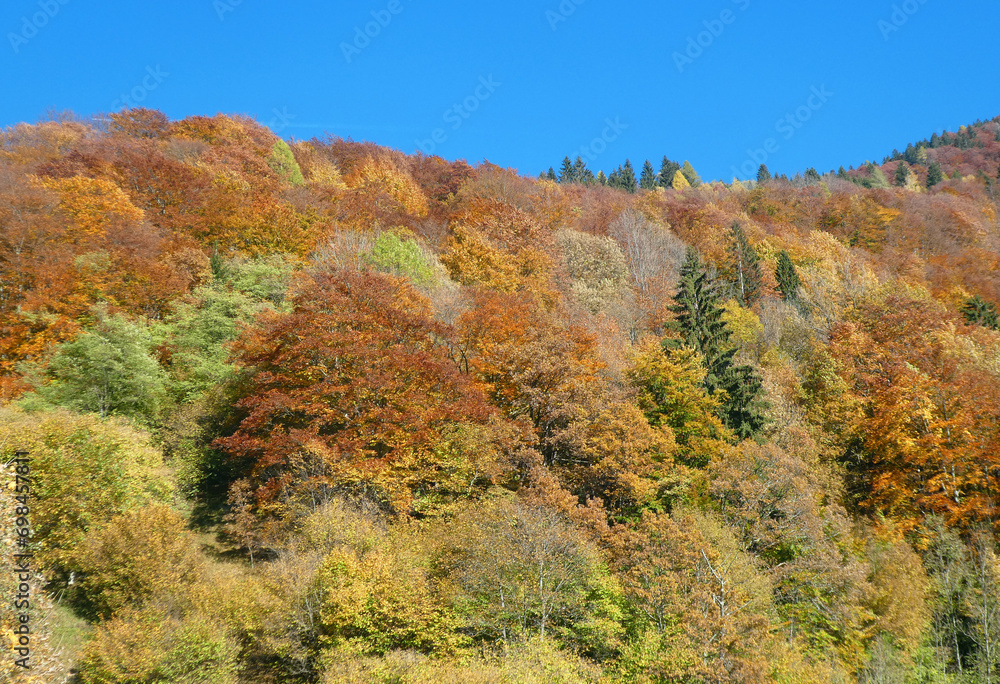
(325,412)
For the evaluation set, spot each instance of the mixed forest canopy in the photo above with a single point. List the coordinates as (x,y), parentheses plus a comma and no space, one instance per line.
(321,411)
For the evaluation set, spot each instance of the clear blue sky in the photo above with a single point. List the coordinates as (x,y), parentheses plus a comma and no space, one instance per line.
(556,73)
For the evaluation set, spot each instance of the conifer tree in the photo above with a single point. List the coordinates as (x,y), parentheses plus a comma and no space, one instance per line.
(579,169)
(566,173)
(627,178)
(700,326)
(552,175)
(648,180)
(680,182)
(787,277)
(690,174)
(668,169)
(980,312)
(763,174)
(601,178)
(842,173)
(588,176)
(902,175)
(934,174)
(744,265)
(615,178)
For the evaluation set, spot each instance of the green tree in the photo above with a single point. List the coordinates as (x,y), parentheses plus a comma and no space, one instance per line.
(744,265)
(692,176)
(763,174)
(551,175)
(601,178)
(627,178)
(787,277)
(648,180)
(668,169)
(567,174)
(282,161)
(109,370)
(400,255)
(934,174)
(700,326)
(902,174)
(978,311)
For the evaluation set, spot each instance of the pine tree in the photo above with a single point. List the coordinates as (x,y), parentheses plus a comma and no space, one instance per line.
(934,174)
(744,265)
(902,175)
(648,180)
(668,169)
(980,312)
(700,326)
(763,174)
(588,176)
(692,176)
(615,178)
(579,169)
(842,173)
(812,175)
(601,178)
(628,182)
(787,277)
(566,173)
(552,175)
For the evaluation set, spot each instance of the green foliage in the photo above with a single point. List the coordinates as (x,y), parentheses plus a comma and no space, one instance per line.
(282,161)
(934,174)
(902,175)
(744,267)
(690,174)
(648,179)
(397,254)
(109,371)
(668,169)
(700,326)
(763,174)
(978,311)
(86,471)
(787,277)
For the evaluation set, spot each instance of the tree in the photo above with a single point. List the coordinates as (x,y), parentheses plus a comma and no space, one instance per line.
(787,277)
(690,174)
(567,173)
(282,161)
(680,181)
(744,265)
(648,180)
(668,169)
(627,178)
(934,174)
(551,175)
(902,175)
(763,174)
(700,326)
(601,178)
(109,371)
(978,311)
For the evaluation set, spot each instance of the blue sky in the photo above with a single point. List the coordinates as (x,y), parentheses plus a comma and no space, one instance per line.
(524,83)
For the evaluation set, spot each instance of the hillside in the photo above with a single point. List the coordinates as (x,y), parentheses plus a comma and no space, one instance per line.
(326,412)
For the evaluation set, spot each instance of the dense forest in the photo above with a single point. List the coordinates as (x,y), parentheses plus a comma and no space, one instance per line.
(326,412)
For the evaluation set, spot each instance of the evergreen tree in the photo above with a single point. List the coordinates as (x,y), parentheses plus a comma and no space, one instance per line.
(552,175)
(601,178)
(566,173)
(615,178)
(980,312)
(934,174)
(648,180)
(588,177)
(579,170)
(763,174)
(787,277)
(842,173)
(902,175)
(700,326)
(692,176)
(744,265)
(668,169)
(627,178)
(812,175)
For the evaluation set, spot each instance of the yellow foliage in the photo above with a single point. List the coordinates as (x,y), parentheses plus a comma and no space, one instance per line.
(381,175)
(680,182)
(92,203)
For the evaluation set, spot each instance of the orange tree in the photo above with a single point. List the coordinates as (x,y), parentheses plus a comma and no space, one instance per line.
(353,390)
